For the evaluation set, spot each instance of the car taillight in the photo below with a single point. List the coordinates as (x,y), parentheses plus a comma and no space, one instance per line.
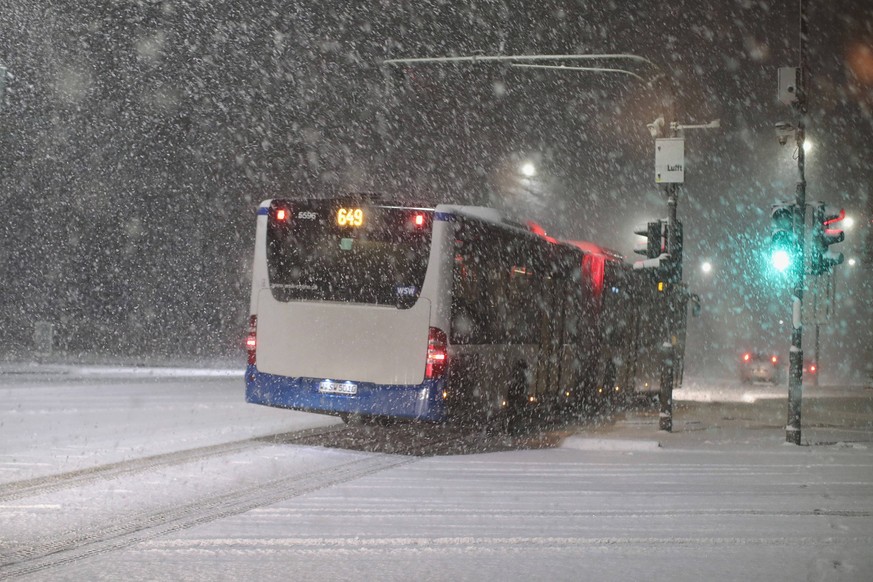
(812,369)
(437,356)
(252,339)
(747,357)
(774,359)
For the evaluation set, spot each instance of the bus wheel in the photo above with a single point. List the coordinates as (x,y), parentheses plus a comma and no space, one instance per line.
(353,419)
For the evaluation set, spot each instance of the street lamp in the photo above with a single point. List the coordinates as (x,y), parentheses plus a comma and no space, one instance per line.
(706,267)
(528,170)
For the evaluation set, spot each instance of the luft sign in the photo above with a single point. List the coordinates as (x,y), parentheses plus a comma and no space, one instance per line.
(670,160)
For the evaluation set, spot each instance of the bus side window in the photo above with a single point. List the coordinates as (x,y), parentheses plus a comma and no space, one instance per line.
(524,281)
(466,281)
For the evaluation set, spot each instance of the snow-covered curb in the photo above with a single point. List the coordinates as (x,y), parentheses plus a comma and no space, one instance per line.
(583,443)
(157,372)
(121,371)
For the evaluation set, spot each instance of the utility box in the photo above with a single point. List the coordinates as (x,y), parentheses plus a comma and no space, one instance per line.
(789,82)
(670,160)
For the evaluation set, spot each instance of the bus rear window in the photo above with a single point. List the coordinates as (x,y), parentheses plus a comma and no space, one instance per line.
(342,251)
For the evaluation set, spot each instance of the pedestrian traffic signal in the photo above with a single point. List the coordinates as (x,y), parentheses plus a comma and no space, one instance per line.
(784,250)
(823,216)
(654,244)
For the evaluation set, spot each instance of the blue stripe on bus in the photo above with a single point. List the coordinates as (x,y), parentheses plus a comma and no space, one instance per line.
(417,401)
(263,210)
(444,216)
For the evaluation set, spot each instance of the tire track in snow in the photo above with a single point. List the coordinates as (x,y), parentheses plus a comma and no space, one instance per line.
(405,444)
(50,483)
(388,447)
(477,544)
(74,545)
(408,439)
(568,513)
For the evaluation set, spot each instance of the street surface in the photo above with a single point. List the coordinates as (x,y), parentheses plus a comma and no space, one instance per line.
(109,475)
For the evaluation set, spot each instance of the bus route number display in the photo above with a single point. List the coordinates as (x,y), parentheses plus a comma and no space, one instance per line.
(350,217)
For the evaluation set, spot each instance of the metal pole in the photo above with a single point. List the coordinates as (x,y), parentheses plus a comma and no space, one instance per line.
(795,378)
(665,397)
(815,361)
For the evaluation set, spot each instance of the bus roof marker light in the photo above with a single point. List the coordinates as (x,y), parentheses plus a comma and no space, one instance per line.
(418,220)
(281,214)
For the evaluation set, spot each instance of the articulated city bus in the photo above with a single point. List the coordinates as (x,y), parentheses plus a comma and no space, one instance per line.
(453,312)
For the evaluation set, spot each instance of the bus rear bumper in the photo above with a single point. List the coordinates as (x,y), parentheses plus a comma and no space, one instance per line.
(416,401)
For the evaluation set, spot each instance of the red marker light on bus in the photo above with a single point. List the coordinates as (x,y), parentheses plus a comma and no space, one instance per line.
(252,339)
(281,214)
(418,220)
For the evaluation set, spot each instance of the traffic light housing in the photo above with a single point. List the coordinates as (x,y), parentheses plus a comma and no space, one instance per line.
(784,247)
(654,245)
(676,253)
(823,258)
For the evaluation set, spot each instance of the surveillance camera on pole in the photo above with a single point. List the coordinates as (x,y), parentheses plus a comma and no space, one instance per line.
(784,132)
(656,128)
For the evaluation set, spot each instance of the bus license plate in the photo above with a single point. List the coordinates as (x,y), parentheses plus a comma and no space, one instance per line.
(338,388)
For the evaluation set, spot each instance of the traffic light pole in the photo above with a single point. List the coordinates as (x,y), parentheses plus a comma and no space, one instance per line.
(795,357)
(674,278)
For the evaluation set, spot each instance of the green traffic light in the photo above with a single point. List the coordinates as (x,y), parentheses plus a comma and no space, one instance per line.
(781,260)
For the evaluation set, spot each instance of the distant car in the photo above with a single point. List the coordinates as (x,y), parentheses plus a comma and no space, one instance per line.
(759,367)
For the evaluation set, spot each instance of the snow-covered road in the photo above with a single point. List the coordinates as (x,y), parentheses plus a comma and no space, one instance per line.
(108,477)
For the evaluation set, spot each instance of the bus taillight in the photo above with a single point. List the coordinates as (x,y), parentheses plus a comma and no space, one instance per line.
(437,356)
(281,214)
(252,339)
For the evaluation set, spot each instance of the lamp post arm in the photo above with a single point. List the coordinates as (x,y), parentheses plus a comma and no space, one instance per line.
(515,58)
(587,69)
